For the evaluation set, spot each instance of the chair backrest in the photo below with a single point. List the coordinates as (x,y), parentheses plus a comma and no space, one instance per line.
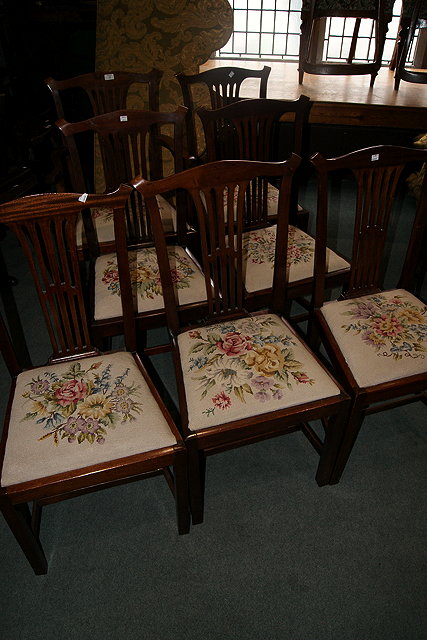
(104,92)
(377,172)
(255,129)
(45,226)
(259,129)
(131,144)
(215,88)
(219,193)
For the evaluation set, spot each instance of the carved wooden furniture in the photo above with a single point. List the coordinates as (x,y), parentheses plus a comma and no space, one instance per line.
(215,88)
(375,338)
(413,17)
(380,11)
(259,129)
(265,130)
(131,144)
(85,420)
(101,92)
(241,377)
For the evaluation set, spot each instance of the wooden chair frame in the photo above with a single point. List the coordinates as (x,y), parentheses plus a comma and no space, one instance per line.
(221,236)
(131,144)
(224,85)
(106,91)
(250,130)
(377,171)
(46,228)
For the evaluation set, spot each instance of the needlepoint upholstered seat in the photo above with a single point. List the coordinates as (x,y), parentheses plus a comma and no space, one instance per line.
(236,369)
(392,325)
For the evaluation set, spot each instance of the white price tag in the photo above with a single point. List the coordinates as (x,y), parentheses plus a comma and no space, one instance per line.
(375,156)
(123,118)
(83,197)
(108,76)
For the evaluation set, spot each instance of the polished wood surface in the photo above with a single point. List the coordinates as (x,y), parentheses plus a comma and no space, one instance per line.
(344,100)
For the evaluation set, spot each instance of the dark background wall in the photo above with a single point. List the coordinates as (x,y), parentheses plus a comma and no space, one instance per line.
(38,39)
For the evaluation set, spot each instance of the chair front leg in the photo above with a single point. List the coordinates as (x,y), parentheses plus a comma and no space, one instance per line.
(334,428)
(351,431)
(18,517)
(196,481)
(181,493)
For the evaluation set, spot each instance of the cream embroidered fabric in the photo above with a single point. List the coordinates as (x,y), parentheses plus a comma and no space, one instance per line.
(258,251)
(243,368)
(273,200)
(187,277)
(79,413)
(104,225)
(383,337)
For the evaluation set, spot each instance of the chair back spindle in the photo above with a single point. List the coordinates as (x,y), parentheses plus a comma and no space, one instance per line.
(46,229)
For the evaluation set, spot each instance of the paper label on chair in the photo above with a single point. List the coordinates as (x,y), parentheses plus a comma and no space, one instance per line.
(375,156)
(83,197)
(123,118)
(108,76)
(231,74)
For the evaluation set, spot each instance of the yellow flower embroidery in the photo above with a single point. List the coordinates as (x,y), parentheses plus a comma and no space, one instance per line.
(96,406)
(411,315)
(267,359)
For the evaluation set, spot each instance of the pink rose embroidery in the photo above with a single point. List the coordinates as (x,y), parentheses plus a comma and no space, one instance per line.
(234,343)
(70,392)
(110,276)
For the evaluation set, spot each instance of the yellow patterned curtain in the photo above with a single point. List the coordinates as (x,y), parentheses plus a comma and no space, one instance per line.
(171,35)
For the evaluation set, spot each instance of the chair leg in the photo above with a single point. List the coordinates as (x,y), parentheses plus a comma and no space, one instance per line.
(354,40)
(355,420)
(18,517)
(373,76)
(181,494)
(196,480)
(334,433)
(401,53)
(303,48)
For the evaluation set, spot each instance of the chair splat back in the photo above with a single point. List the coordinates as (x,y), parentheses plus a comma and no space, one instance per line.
(106,91)
(224,83)
(45,226)
(249,129)
(252,130)
(130,142)
(378,172)
(216,88)
(221,193)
